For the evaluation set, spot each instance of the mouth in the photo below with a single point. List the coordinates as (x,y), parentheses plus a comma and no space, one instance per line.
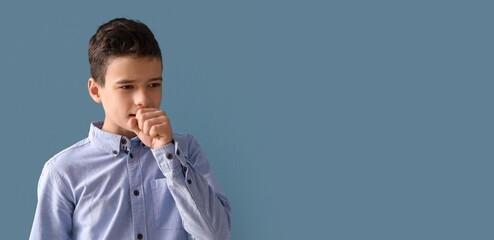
(132,115)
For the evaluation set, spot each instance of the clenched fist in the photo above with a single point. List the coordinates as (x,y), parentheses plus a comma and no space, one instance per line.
(152,127)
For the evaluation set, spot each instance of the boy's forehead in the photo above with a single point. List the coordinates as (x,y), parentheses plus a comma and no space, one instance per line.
(127,81)
(128,68)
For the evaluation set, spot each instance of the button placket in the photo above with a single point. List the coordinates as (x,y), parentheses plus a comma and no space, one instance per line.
(135,189)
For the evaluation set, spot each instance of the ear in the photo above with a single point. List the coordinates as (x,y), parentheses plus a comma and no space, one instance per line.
(93,87)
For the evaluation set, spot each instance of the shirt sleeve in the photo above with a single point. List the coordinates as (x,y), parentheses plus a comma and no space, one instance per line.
(204,209)
(53,216)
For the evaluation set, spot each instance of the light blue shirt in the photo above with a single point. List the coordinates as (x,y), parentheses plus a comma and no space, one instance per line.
(109,187)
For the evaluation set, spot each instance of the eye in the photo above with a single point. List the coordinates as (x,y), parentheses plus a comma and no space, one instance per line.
(126,87)
(153,85)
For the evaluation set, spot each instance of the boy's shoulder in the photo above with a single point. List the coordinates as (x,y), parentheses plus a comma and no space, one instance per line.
(186,141)
(69,155)
(183,138)
(190,148)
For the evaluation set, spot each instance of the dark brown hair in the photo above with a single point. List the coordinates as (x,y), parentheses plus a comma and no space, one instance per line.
(116,38)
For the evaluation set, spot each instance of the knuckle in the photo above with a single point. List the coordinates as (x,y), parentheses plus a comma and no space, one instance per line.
(153,131)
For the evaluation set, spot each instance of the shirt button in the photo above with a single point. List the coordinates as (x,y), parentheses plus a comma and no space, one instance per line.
(123,141)
(140,236)
(189,181)
(169,156)
(131,155)
(136,192)
(114,152)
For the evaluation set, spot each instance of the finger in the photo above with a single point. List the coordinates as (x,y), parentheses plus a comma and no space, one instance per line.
(147,119)
(149,123)
(143,116)
(155,114)
(146,110)
(132,124)
(158,130)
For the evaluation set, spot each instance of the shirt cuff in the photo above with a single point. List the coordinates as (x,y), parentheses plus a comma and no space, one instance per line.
(168,157)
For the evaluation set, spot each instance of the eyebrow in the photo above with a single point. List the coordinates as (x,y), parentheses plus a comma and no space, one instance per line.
(127,81)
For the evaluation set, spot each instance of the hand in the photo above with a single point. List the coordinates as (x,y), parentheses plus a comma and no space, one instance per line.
(152,127)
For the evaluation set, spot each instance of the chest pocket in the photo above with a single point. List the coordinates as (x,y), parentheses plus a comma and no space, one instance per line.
(166,214)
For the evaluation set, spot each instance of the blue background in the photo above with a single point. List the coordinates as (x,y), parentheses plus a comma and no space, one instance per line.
(321,119)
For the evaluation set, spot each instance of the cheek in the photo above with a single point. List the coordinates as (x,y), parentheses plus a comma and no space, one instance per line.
(118,104)
(156,98)
(125,104)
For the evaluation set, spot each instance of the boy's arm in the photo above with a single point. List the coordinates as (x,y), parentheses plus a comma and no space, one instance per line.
(204,209)
(53,217)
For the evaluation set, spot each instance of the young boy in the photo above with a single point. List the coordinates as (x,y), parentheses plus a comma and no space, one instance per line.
(131,178)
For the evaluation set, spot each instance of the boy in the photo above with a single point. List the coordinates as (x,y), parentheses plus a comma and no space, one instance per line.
(131,178)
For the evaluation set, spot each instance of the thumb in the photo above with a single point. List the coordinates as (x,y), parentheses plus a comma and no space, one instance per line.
(132,124)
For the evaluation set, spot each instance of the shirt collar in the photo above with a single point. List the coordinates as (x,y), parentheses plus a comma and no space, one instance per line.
(109,142)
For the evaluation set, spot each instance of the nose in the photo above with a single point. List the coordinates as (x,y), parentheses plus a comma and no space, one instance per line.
(142,98)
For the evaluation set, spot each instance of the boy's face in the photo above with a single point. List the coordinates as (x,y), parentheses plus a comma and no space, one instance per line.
(130,84)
